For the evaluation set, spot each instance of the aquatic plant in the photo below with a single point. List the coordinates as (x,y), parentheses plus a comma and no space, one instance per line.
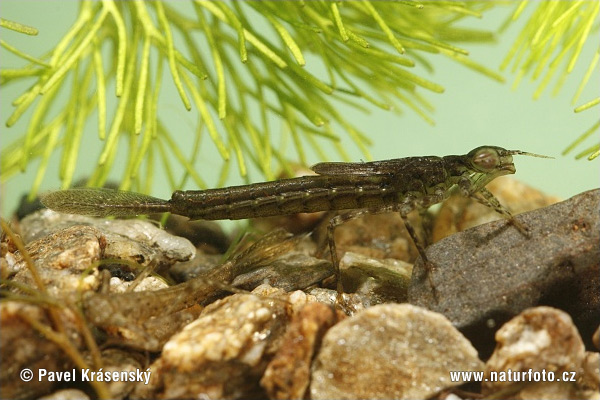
(224,65)
(553,38)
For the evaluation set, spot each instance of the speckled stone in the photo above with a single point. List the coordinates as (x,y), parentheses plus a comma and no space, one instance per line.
(550,391)
(63,246)
(138,240)
(21,347)
(61,257)
(66,394)
(543,340)
(288,374)
(591,371)
(389,351)
(121,360)
(223,353)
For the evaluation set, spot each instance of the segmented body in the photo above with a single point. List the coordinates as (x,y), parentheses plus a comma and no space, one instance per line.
(412,182)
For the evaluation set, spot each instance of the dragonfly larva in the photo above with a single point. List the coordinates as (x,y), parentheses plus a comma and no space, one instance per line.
(400,185)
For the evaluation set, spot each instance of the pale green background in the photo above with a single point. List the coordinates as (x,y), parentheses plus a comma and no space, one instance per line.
(473,111)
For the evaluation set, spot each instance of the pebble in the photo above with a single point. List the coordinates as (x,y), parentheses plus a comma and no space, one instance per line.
(540,341)
(488,274)
(121,360)
(550,391)
(375,281)
(397,351)
(200,264)
(205,235)
(149,283)
(223,353)
(63,246)
(60,258)
(291,272)
(66,394)
(349,303)
(21,346)
(591,370)
(288,374)
(138,240)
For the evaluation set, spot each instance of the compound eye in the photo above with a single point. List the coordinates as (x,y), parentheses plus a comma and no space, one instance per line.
(486,159)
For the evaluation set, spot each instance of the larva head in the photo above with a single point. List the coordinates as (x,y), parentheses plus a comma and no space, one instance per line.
(489,162)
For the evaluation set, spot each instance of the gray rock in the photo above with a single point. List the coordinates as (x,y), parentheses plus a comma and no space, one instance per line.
(200,264)
(390,351)
(488,274)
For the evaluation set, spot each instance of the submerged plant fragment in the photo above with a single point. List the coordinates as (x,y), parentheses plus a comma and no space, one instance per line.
(140,313)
